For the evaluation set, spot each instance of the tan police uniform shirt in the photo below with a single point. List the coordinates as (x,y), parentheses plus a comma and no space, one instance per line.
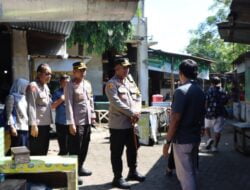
(39,104)
(125,100)
(79,103)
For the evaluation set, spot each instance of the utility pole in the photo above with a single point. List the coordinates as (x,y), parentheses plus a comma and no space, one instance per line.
(172,78)
(142,54)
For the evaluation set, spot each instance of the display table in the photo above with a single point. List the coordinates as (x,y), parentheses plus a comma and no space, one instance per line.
(44,164)
(241,137)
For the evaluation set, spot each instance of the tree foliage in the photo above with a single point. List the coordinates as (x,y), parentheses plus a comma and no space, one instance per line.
(100,36)
(206,42)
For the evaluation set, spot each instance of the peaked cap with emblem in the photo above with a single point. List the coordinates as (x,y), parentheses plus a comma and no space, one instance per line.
(79,65)
(123,62)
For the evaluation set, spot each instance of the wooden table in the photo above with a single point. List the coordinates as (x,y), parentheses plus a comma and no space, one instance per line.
(241,137)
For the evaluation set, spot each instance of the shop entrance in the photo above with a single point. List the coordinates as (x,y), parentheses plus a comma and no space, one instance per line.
(5,62)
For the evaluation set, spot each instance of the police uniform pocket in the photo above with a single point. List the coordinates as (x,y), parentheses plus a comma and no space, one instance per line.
(122,93)
(42,99)
(134,92)
(79,96)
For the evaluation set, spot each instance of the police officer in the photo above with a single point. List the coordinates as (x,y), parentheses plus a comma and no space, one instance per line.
(79,114)
(124,112)
(39,111)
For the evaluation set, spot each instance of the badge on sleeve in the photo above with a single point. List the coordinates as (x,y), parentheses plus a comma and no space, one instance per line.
(32,88)
(110,85)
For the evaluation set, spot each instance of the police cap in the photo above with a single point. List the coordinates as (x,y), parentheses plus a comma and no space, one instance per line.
(79,65)
(123,62)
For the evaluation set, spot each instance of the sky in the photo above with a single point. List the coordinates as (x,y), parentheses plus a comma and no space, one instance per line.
(169,21)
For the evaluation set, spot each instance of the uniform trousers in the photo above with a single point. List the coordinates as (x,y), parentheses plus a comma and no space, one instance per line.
(40,145)
(62,132)
(186,162)
(79,143)
(119,138)
(22,139)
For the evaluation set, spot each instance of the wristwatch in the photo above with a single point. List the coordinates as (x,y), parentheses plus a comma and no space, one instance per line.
(167,141)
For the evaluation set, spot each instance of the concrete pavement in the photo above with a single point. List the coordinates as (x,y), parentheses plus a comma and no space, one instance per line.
(225,170)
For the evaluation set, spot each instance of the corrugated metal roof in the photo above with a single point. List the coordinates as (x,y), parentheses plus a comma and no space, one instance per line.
(63,28)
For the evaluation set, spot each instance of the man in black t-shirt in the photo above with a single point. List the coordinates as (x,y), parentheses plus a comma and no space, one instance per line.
(187,118)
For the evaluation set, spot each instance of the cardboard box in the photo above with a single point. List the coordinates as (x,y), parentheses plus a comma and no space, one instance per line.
(20,154)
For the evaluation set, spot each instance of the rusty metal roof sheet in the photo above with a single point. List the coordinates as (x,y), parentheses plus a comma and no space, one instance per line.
(63,28)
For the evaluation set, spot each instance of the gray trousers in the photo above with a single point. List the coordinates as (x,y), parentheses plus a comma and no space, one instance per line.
(186,162)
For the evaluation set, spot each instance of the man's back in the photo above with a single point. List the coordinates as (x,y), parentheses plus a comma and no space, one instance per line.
(189,101)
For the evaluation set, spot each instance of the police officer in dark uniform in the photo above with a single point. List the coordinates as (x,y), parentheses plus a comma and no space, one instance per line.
(124,111)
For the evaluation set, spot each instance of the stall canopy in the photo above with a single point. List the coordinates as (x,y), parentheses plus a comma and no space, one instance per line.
(169,62)
(237,27)
(66,10)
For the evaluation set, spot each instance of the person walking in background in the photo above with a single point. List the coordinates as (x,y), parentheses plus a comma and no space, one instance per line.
(39,111)
(80,115)
(16,113)
(216,99)
(62,129)
(187,118)
(124,111)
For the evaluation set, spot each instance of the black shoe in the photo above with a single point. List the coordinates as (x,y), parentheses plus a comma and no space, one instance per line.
(135,176)
(120,183)
(84,172)
(80,182)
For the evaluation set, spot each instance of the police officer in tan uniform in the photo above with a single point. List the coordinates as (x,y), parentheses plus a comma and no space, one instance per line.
(124,111)
(39,111)
(80,115)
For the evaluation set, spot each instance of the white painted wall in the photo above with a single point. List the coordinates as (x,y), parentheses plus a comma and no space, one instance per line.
(95,73)
(20,65)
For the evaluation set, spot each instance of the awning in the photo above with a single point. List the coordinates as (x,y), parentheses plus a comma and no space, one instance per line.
(237,28)
(67,10)
(237,32)
(162,66)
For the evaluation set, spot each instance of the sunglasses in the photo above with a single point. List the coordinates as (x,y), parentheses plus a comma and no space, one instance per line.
(48,74)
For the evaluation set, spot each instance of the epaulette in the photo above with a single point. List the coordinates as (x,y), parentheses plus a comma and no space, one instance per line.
(130,78)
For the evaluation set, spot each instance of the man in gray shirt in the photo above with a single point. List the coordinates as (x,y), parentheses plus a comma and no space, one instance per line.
(187,118)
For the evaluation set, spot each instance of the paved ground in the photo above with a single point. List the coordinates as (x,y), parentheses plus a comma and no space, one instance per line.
(225,170)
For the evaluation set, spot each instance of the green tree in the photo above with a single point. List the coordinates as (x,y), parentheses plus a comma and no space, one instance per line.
(206,42)
(96,37)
